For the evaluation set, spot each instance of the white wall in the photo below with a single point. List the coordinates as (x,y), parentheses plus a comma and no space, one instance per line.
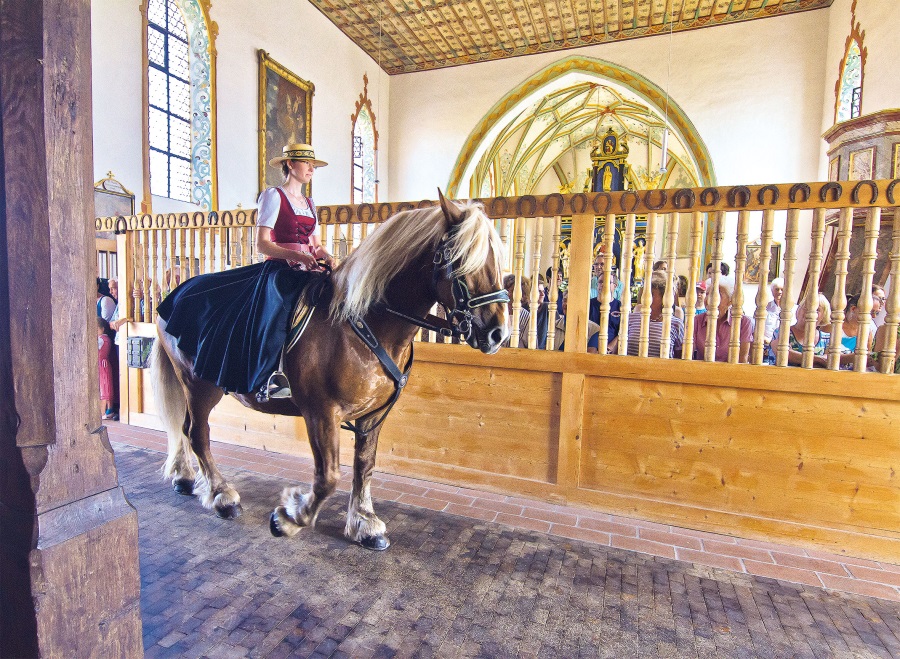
(752,90)
(315,50)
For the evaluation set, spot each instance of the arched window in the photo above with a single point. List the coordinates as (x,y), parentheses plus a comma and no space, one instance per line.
(850,94)
(180,140)
(363,178)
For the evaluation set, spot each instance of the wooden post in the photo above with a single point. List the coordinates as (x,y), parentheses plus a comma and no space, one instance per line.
(552,287)
(839,299)
(604,295)
(69,580)
(759,315)
(866,327)
(571,413)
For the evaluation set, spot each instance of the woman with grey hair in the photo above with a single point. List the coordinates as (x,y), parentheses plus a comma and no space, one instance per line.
(724,324)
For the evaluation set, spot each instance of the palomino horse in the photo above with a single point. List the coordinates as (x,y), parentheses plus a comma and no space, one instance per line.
(390,281)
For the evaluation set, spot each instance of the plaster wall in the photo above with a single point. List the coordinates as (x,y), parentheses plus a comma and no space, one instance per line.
(881,90)
(320,53)
(752,90)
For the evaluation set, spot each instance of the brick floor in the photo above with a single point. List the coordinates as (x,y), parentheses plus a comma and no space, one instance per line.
(452,586)
(763,559)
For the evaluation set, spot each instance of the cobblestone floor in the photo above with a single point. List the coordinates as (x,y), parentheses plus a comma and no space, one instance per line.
(455,587)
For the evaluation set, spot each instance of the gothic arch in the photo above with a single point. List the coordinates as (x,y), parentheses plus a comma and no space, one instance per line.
(479,140)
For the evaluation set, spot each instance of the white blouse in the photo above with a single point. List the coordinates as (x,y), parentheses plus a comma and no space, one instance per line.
(270,203)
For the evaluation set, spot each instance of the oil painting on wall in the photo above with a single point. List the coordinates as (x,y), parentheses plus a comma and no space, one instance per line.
(285,115)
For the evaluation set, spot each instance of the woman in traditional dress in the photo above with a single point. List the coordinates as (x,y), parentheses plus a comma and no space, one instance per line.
(106,362)
(234,323)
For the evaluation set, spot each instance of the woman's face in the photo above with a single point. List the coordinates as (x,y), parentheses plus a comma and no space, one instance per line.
(301,170)
(777,292)
(114,288)
(877,301)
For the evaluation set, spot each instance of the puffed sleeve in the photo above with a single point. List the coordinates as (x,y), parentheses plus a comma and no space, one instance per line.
(269,204)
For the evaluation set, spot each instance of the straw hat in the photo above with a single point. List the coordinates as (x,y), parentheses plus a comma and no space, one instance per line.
(297,152)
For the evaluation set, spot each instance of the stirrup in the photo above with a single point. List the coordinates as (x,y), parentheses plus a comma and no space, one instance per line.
(277,386)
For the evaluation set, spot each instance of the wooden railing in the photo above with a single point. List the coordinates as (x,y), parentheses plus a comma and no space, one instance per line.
(156,252)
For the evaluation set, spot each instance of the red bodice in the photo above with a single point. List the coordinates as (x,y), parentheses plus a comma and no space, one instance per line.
(292,230)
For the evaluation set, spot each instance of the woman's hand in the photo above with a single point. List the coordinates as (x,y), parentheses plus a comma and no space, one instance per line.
(304,261)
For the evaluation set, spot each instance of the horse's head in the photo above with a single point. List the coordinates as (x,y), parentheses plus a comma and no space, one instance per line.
(468,278)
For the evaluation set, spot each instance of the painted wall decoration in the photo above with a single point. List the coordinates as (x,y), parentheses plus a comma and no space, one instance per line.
(862,163)
(285,115)
(895,162)
(753,272)
(834,168)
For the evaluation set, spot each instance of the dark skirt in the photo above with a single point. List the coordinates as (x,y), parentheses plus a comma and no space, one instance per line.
(234,323)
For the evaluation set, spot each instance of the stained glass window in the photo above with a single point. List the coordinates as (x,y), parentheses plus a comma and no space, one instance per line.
(170,101)
(364,182)
(850,94)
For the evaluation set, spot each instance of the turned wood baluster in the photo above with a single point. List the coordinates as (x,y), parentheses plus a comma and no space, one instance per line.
(759,314)
(154,275)
(337,232)
(351,238)
(625,309)
(811,301)
(646,297)
(518,271)
(864,308)
(222,240)
(182,256)
(146,283)
(737,304)
(839,299)
(694,273)
(552,287)
(888,355)
(669,296)
(537,243)
(609,236)
(201,240)
(712,294)
(505,239)
(791,234)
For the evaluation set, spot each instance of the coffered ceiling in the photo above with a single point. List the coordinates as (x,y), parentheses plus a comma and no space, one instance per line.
(416,35)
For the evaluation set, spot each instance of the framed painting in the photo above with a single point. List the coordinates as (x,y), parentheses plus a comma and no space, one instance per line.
(285,115)
(834,168)
(895,162)
(752,272)
(862,164)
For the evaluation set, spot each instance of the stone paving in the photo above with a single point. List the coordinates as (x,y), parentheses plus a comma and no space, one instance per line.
(454,586)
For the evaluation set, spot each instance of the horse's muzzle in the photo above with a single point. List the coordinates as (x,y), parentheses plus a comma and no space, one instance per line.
(487,339)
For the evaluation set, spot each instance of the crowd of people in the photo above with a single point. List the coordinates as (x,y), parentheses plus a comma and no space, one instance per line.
(801,324)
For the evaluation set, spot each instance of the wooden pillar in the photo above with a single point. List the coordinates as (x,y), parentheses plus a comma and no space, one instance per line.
(69,580)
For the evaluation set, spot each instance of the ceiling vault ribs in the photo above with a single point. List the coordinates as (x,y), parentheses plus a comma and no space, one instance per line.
(419,35)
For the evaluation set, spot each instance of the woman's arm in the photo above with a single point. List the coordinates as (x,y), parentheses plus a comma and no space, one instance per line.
(265,245)
(319,251)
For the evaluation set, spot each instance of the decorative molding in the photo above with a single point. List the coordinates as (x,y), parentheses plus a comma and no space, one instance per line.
(363,101)
(856,34)
(601,69)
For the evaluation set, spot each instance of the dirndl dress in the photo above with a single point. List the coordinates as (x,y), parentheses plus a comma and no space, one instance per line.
(234,323)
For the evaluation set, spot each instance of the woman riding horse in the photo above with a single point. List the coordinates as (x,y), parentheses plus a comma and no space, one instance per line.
(233,323)
(351,363)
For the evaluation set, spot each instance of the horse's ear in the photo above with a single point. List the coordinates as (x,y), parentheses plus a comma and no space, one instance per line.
(452,212)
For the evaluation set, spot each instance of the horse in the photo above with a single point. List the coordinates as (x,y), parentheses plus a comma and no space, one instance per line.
(375,300)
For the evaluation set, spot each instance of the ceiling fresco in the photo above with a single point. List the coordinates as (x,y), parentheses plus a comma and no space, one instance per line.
(416,35)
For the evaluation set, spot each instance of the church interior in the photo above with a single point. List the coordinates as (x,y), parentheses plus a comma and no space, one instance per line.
(637,153)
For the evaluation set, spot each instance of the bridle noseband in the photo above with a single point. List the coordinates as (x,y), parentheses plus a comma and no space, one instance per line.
(459,320)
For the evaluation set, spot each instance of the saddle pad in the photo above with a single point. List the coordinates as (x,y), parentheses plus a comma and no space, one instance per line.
(299,320)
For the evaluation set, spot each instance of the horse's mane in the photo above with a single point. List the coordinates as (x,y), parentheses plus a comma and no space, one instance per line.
(362,279)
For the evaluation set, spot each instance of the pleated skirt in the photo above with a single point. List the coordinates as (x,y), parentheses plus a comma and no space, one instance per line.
(234,323)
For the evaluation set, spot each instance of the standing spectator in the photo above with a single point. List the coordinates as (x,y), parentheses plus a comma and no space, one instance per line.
(723,327)
(106,368)
(676,331)
(724,268)
(700,305)
(106,306)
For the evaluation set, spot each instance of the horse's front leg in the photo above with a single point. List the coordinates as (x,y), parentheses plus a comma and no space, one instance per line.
(363,525)
(297,509)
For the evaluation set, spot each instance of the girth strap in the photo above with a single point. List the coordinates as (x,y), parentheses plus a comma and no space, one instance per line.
(364,332)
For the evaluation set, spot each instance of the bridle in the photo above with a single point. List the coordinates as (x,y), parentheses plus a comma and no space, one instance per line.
(459,321)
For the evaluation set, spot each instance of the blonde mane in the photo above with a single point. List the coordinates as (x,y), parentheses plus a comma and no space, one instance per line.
(362,279)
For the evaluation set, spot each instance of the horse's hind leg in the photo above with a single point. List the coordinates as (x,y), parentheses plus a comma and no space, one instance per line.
(214,491)
(179,465)
(363,525)
(297,509)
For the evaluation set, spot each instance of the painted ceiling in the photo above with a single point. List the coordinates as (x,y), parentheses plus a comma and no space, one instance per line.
(416,35)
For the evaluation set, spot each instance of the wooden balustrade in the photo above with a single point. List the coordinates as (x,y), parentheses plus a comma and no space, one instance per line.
(156,252)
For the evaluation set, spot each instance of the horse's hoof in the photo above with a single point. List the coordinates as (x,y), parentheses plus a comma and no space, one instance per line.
(274,527)
(231,511)
(184,486)
(376,542)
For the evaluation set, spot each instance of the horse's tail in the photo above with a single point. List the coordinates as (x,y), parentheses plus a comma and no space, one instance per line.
(171,406)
